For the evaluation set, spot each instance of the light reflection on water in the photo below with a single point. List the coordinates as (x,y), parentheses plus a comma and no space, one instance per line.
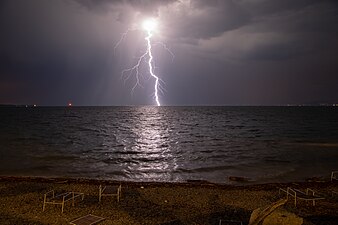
(152,144)
(169,143)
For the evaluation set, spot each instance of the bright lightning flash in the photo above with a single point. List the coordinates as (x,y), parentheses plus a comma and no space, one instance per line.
(150,26)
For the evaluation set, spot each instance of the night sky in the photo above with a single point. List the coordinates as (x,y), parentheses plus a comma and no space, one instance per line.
(227,52)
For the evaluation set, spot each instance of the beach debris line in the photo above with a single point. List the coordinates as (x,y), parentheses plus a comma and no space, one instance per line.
(238,179)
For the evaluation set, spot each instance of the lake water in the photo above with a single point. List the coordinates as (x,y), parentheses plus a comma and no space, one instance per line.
(170,144)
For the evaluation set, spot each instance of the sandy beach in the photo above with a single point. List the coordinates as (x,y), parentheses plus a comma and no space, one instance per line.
(21,200)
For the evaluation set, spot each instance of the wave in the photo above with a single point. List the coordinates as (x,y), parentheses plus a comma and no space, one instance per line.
(204,169)
(199,142)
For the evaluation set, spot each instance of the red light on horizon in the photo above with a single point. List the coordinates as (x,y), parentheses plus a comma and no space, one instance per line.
(69,104)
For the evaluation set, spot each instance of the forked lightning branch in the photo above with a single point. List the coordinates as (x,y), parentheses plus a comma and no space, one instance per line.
(149,26)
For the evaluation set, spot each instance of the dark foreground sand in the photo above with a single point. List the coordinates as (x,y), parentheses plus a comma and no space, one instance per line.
(21,202)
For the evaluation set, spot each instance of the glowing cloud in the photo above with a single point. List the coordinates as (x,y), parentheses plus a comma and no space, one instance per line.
(149,25)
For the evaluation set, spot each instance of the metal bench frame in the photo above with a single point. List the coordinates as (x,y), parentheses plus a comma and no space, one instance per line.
(105,191)
(87,219)
(308,195)
(60,199)
(334,175)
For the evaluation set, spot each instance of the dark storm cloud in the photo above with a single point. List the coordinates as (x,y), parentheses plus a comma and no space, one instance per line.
(268,7)
(226,51)
(281,35)
(203,19)
(45,46)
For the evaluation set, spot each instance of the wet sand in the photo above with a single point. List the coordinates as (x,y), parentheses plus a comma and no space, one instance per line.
(194,202)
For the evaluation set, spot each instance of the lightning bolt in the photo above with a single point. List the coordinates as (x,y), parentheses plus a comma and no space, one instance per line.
(148,57)
(167,49)
(123,35)
(150,64)
(137,74)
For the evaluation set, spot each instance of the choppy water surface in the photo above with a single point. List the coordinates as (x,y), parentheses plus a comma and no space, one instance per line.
(266,144)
